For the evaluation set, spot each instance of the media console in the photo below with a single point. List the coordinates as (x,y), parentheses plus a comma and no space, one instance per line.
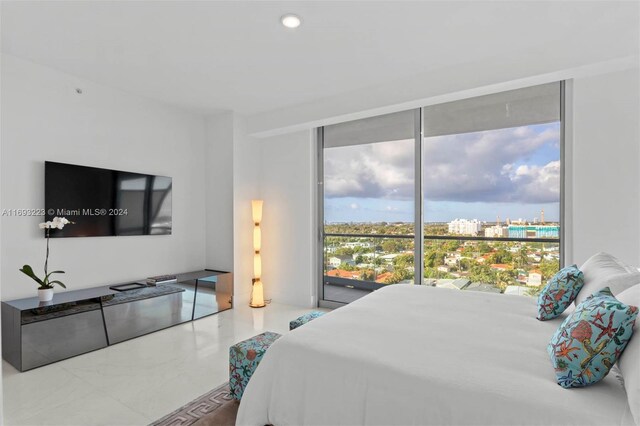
(37,333)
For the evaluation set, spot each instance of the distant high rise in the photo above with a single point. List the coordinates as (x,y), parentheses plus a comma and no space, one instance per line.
(533,231)
(542,216)
(465,227)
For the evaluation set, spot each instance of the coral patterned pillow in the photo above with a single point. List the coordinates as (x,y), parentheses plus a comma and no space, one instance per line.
(591,339)
(559,292)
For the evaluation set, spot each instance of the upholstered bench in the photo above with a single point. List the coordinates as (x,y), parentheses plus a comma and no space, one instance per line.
(244,358)
(304,319)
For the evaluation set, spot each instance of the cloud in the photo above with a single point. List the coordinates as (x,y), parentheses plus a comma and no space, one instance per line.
(518,165)
(353,206)
(539,184)
(381,170)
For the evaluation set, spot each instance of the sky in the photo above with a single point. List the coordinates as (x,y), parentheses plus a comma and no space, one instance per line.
(512,173)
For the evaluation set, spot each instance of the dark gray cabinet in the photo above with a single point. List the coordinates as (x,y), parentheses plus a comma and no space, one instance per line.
(75,322)
(133,318)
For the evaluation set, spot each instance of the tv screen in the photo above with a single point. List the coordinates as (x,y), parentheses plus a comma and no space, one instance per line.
(105,202)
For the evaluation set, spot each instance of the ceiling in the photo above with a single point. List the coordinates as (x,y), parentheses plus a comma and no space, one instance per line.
(235,55)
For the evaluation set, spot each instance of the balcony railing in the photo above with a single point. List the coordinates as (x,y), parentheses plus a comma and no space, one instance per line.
(505,265)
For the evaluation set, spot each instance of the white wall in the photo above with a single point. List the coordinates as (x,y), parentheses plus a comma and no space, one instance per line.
(289,218)
(606,178)
(43,118)
(278,170)
(246,187)
(219,192)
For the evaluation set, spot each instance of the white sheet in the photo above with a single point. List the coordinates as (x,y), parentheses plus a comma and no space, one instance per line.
(415,355)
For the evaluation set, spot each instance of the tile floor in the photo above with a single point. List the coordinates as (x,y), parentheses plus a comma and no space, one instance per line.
(138,381)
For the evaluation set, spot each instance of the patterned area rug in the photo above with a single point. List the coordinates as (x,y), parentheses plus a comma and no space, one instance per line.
(216,407)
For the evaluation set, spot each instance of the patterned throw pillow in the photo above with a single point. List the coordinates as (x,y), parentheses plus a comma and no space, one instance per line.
(559,292)
(591,339)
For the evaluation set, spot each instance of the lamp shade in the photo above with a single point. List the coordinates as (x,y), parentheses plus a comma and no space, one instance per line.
(257,295)
(257,238)
(256,208)
(257,266)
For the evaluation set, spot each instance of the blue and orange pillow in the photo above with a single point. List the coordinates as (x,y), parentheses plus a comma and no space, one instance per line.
(560,292)
(591,339)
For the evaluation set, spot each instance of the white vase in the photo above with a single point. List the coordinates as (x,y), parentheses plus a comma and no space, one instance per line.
(45,294)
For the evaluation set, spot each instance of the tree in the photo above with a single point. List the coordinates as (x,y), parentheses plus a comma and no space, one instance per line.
(433,258)
(347,267)
(522,258)
(466,264)
(451,246)
(535,291)
(398,276)
(548,268)
(403,261)
(504,279)
(368,275)
(430,272)
(484,248)
(482,273)
(344,251)
(500,256)
(393,245)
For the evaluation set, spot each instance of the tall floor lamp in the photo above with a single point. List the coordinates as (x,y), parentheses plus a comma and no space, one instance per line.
(257,291)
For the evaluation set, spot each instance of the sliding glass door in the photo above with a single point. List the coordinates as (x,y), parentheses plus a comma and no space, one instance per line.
(491,183)
(464,195)
(368,195)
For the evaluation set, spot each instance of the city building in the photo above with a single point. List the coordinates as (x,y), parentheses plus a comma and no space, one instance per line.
(457,284)
(340,273)
(482,287)
(534,279)
(516,290)
(336,261)
(496,231)
(501,267)
(361,244)
(465,227)
(534,231)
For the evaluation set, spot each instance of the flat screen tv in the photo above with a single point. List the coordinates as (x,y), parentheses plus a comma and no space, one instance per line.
(105,203)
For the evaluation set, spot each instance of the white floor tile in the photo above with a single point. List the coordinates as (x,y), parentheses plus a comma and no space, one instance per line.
(141,380)
(94,408)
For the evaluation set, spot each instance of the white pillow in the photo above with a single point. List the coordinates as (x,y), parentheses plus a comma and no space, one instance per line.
(603,270)
(629,362)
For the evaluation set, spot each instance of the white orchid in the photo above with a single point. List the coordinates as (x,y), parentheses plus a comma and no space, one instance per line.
(56,223)
(47,282)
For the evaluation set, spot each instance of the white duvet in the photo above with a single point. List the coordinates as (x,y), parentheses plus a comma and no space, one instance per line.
(415,355)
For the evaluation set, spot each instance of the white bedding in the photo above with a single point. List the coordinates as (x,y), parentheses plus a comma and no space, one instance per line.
(416,355)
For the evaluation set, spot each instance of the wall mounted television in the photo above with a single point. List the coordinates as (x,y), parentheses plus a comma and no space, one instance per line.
(105,202)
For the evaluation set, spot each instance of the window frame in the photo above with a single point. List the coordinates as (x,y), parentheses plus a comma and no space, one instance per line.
(419,236)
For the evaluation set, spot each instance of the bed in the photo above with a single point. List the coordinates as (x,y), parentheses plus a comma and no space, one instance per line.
(418,355)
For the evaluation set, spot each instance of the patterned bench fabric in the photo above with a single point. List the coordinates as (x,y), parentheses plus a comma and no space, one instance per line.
(304,319)
(244,358)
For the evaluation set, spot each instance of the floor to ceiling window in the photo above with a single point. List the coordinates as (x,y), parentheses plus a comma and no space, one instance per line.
(491,183)
(369,204)
(483,214)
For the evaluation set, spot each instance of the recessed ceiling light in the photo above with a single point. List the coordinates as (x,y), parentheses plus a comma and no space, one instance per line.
(290,20)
